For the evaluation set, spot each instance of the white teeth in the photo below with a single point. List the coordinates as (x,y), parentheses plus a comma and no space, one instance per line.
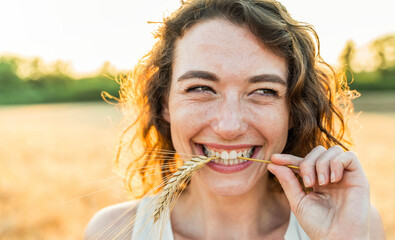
(228,158)
(225,155)
(245,153)
(233,154)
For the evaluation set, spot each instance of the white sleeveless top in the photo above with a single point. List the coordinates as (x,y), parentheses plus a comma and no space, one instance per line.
(144,224)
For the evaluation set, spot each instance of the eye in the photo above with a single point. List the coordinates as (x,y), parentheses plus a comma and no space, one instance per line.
(200,88)
(266,92)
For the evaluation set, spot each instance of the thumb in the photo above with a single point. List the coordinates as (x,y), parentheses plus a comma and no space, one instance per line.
(292,188)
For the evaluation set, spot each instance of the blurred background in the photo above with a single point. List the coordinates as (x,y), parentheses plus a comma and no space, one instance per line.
(58,136)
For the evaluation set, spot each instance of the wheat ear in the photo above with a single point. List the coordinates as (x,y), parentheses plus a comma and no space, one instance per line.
(182,175)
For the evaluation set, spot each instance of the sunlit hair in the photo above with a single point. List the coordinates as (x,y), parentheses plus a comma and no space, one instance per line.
(319,99)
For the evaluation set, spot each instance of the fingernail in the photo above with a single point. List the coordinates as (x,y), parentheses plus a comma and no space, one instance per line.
(306,181)
(321,179)
(333,177)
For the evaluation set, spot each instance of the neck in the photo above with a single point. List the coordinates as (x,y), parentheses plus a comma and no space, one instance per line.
(254,213)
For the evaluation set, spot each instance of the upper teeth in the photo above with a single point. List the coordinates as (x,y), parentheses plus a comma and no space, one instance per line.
(228,155)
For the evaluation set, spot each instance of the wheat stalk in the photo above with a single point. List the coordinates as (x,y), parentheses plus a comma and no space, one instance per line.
(182,175)
(266,161)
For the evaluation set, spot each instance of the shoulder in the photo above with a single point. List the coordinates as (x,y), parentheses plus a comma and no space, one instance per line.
(110,222)
(376,224)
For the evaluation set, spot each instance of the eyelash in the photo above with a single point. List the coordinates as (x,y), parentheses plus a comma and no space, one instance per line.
(267,91)
(200,88)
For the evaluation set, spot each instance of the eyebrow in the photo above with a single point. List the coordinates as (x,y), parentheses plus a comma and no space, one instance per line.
(212,77)
(198,74)
(267,78)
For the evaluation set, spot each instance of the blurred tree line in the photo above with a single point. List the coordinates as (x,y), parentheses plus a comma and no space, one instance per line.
(33,81)
(24,81)
(372,67)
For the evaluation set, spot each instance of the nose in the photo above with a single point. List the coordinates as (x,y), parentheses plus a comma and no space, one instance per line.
(229,122)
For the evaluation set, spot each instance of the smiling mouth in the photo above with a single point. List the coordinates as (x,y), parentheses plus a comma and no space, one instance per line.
(228,157)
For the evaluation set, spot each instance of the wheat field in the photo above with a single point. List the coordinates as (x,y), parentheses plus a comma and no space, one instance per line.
(55,167)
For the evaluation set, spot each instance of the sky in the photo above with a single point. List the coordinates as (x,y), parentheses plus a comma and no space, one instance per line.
(87,33)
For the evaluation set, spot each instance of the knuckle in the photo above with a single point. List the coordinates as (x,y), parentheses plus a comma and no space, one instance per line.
(320,147)
(305,165)
(336,160)
(351,154)
(336,148)
(321,163)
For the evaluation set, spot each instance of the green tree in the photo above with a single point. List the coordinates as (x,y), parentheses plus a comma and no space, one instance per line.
(36,69)
(9,80)
(62,68)
(347,55)
(384,50)
(107,69)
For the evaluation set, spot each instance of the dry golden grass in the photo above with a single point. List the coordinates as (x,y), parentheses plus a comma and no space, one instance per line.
(375,147)
(55,167)
(50,158)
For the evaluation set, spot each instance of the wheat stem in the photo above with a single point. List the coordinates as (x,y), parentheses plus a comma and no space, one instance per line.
(266,161)
(182,175)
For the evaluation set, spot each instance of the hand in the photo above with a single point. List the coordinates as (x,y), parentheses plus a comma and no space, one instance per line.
(339,205)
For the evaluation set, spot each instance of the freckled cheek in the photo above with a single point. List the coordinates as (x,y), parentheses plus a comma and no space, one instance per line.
(187,118)
(273,124)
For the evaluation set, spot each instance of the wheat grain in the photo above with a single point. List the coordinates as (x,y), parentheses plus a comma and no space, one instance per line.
(182,175)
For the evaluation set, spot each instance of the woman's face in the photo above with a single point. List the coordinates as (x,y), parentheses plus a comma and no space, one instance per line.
(227,98)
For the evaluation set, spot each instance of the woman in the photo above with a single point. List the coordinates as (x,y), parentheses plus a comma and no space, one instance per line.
(241,77)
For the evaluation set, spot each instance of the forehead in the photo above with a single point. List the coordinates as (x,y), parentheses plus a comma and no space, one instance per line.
(224,48)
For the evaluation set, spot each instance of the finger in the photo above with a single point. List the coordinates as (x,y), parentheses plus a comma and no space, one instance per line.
(350,161)
(323,164)
(336,166)
(290,184)
(345,161)
(307,167)
(286,159)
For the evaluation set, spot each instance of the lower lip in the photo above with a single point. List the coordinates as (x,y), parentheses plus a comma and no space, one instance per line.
(229,168)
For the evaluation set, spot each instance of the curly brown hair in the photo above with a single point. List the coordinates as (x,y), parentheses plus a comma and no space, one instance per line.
(318,98)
